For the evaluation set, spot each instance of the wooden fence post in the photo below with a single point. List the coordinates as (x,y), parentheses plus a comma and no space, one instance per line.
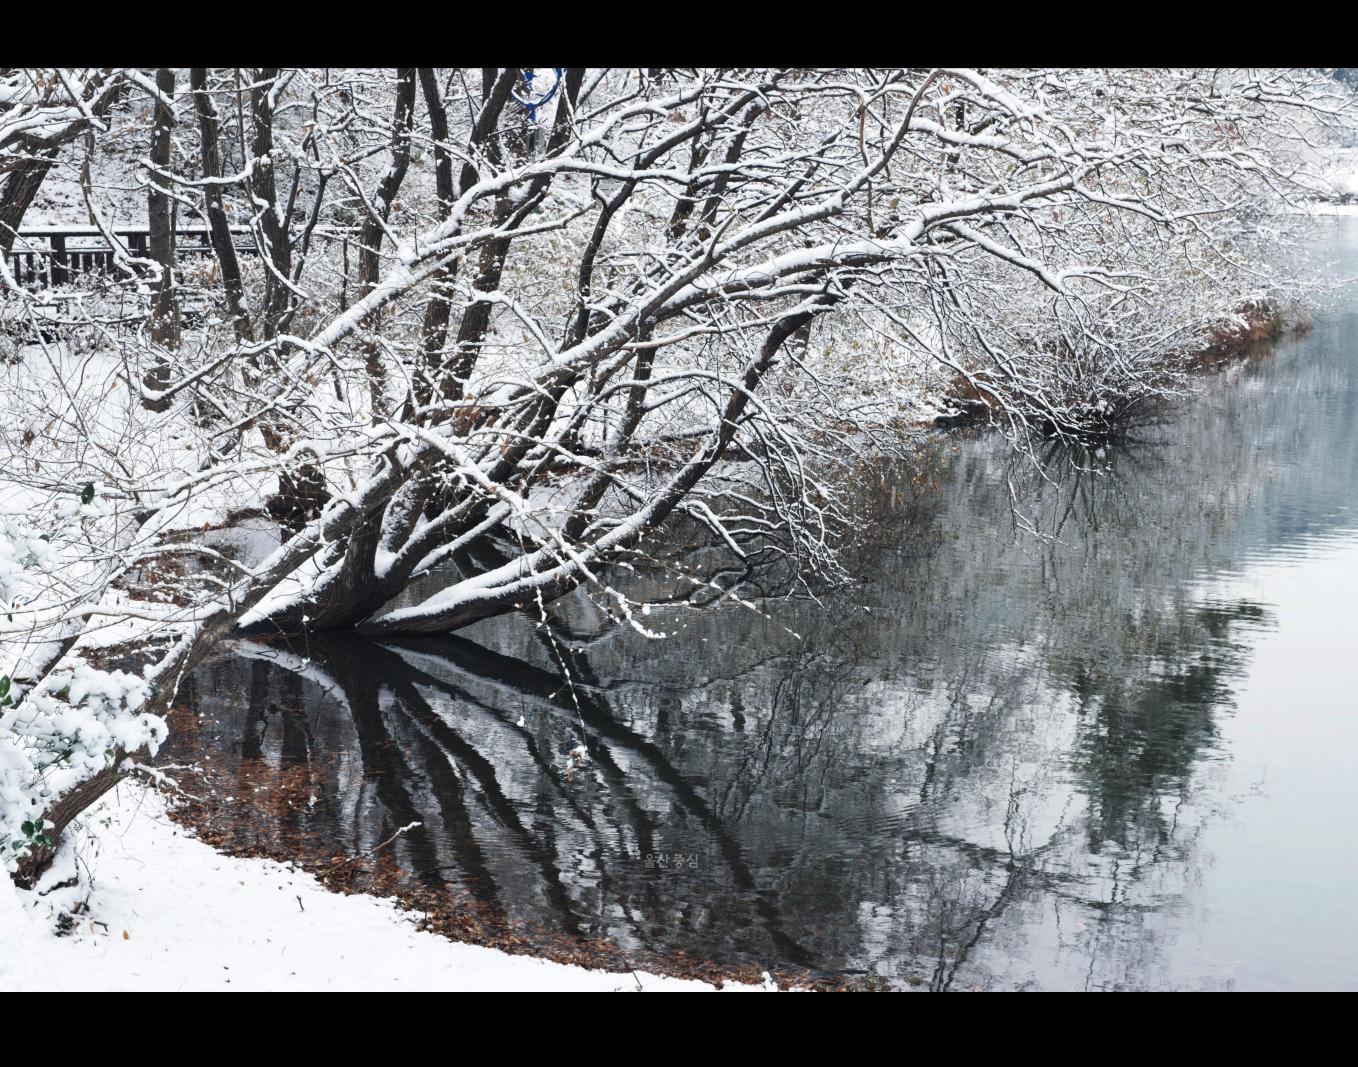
(59,260)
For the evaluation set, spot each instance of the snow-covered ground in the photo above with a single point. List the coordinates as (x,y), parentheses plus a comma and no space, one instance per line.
(167,912)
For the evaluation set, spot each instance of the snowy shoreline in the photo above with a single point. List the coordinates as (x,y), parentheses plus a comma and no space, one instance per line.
(168,912)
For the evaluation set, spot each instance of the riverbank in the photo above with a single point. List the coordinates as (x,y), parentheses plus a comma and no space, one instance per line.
(154,908)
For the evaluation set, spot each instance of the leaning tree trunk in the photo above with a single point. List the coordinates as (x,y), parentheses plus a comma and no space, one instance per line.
(33,157)
(61,815)
(18,193)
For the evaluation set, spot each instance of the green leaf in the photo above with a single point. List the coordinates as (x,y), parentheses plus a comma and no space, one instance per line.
(87,494)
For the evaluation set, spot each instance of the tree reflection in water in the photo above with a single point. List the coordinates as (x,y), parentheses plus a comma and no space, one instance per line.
(989,765)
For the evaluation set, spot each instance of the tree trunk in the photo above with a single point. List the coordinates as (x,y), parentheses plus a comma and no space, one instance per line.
(165,324)
(272,233)
(374,227)
(20,188)
(219,228)
(61,814)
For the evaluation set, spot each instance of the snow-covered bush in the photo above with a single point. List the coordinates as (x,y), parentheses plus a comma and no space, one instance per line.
(78,720)
(51,742)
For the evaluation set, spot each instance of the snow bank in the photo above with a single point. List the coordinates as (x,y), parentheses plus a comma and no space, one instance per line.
(167,912)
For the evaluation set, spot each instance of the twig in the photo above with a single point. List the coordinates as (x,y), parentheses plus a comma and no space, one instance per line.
(382,844)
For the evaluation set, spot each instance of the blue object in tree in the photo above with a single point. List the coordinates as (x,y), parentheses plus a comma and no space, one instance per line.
(531,105)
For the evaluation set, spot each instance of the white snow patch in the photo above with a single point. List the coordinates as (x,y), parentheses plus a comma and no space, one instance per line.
(198,920)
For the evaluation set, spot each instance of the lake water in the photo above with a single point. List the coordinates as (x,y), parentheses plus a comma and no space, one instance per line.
(1122,757)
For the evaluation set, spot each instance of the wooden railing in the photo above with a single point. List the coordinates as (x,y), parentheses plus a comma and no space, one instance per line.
(49,255)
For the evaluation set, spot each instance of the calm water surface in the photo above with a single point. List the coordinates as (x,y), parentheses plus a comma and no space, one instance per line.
(1126,758)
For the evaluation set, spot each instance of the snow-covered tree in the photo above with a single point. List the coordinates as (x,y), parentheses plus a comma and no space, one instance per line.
(505,328)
